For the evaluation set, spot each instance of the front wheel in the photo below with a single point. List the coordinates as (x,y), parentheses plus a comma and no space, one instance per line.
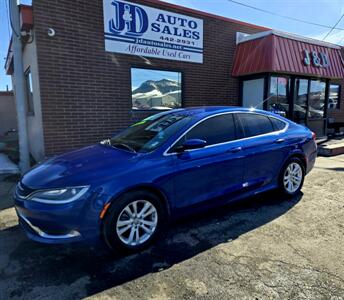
(133,221)
(292,177)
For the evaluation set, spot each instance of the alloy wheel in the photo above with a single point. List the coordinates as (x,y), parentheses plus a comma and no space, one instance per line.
(137,222)
(292,178)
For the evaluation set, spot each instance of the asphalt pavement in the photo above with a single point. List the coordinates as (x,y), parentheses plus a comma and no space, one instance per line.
(266,247)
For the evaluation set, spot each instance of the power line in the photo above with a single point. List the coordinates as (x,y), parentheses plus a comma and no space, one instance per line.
(283,16)
(333,27)
(13,30)
(8,20)
(342,40)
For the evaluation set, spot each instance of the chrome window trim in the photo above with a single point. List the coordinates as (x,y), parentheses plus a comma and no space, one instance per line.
(229,142)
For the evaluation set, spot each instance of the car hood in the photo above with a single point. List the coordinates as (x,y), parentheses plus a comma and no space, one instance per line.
(80,167)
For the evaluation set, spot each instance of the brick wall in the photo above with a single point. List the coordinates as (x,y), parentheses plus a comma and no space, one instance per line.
(86,92)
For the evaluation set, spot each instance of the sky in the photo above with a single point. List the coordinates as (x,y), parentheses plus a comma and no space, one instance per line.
(326,12)
(138,76)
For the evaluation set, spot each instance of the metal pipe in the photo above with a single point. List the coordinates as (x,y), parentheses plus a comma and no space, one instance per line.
(19,87)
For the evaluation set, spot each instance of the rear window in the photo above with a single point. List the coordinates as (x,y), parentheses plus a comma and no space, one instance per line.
(277,124)
(255,124)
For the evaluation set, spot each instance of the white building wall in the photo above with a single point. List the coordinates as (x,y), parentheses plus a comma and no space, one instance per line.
(34,122)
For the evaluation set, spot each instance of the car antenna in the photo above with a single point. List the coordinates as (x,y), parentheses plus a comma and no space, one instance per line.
(262,102)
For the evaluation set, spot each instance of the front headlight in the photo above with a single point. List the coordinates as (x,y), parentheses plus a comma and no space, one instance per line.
(59,196)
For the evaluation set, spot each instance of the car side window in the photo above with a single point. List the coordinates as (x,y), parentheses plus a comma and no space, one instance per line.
(277,124)
(255,124)
(215,130)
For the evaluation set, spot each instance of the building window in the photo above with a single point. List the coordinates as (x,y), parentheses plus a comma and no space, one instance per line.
(253,93)
(29,93)
(334,96)
(155,89)
(278,96)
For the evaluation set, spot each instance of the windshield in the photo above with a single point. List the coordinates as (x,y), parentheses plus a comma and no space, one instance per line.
(150,133)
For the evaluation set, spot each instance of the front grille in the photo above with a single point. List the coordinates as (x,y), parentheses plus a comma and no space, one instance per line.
(23,191)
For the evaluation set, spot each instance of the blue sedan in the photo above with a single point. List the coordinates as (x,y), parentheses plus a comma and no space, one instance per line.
(125,189)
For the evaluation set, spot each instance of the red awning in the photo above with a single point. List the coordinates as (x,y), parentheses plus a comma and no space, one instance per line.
(283,53)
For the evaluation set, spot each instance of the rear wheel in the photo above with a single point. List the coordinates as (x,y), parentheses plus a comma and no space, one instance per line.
(292,177)
(133,221)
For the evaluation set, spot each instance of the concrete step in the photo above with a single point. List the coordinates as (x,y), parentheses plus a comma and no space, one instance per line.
(7,166)
(331,149)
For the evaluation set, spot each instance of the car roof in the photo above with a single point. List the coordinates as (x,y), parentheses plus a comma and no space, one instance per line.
(203,111)
(214,109)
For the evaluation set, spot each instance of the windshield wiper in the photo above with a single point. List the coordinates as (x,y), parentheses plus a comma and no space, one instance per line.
(105,142)
(117,145)
(123,146)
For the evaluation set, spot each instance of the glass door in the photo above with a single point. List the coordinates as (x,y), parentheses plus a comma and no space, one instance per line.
(309,104)
(301,101)
(316,107)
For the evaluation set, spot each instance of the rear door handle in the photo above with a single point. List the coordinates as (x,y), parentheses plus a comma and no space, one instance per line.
(234,150)
(278,141)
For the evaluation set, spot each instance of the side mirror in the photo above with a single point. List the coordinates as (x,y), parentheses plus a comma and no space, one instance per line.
(192,144)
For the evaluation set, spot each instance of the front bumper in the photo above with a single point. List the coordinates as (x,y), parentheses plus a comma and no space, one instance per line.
(37,234)
(61,223)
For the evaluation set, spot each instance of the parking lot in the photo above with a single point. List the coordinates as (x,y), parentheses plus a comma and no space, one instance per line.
(263,248)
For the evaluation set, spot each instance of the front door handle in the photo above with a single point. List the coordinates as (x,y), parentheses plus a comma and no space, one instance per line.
(234,150)
(278,141)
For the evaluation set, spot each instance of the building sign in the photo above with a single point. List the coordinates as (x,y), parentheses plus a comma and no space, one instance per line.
(317,59)
(145,31)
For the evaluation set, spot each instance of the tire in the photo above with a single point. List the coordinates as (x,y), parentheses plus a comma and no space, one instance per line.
(290,184)
(121,227)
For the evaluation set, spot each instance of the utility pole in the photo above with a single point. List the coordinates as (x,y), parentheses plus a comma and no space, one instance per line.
(19,87)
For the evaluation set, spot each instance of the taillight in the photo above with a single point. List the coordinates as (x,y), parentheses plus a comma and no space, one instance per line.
(314,136)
